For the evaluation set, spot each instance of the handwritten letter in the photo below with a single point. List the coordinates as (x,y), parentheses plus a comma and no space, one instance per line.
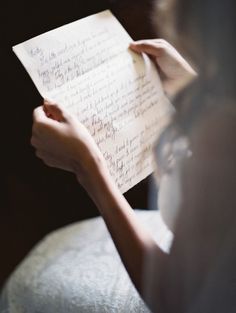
(86,66)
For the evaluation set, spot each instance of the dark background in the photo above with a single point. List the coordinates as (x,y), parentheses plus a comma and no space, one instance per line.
(36,199)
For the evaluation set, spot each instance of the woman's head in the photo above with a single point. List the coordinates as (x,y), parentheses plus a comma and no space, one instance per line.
(204,30)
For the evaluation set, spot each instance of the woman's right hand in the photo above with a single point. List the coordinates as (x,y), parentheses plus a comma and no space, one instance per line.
(62,141)
(177,72)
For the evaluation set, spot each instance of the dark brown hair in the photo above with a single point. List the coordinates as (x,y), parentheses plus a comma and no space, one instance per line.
(204,31)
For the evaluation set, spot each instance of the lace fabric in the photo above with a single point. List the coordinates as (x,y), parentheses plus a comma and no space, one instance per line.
(77,269)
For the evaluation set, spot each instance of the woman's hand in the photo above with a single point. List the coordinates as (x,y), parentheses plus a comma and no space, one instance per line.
(176,71)
(62,142)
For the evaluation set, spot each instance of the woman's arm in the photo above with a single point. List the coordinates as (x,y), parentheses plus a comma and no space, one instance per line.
(61,141)
(133,242)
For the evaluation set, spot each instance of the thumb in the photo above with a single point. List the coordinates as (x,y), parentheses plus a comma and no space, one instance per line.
(39,114)
(54,111)
(145,46)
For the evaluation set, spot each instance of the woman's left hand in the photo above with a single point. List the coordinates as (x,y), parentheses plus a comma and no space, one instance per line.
(176,71)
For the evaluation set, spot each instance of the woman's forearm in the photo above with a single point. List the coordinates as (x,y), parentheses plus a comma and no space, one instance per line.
(133,242)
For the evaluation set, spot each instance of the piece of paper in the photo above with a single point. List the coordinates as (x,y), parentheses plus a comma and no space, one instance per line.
(87,67)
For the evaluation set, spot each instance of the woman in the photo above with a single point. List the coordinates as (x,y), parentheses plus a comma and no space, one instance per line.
(195,157)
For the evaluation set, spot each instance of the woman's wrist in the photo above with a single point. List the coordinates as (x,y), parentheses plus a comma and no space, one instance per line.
(103,190)
(95,177)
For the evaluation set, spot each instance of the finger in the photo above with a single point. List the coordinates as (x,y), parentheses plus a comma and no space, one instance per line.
(52,161)
(39,114)
(150,47)
(34,141)
(55,111)
(40,122)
